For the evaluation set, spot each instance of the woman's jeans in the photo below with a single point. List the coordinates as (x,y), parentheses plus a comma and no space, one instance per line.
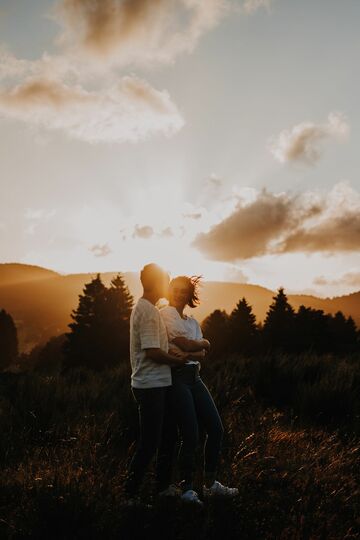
(193,405)
(158,434)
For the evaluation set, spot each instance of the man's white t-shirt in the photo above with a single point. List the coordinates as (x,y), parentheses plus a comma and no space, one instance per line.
(177,326)
(147,331)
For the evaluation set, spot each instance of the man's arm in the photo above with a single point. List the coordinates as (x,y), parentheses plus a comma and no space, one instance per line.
(191,345)
(162,357)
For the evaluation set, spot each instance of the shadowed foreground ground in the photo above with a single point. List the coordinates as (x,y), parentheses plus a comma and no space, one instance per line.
(65,443)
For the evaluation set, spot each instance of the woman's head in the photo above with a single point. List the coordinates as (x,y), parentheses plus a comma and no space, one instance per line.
(184,290)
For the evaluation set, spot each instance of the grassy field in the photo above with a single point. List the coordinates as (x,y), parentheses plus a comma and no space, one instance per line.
(292,446)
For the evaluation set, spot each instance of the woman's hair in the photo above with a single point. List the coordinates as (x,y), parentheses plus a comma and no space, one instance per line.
(193,284)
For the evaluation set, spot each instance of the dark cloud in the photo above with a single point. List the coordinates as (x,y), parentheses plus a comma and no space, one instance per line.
(142,31)
(249,230)
(285,224)
(341,233)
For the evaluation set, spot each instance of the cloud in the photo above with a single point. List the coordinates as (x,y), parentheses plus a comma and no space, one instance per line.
(100,250)
(274,224)
(351,279)
(167,233)
(301,143)
(193,215)
(250,6)
(129,111)
(235,275)
(136,31)
(249,230)
(144,232)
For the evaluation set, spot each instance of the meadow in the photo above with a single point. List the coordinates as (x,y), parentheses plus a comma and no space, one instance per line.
(292,446)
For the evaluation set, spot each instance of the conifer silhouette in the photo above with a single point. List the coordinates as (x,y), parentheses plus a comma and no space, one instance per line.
(278,329)
(215,328)
(99,336)
(8,340)
(243,329)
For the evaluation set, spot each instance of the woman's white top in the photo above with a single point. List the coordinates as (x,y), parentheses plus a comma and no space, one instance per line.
(178,326)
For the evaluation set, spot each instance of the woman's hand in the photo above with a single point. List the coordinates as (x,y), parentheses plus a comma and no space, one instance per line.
(199,355)
(206,344)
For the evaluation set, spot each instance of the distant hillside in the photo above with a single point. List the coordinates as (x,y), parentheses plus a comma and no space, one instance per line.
(41,300)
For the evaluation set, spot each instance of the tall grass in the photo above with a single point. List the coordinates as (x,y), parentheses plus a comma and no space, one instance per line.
(292,446)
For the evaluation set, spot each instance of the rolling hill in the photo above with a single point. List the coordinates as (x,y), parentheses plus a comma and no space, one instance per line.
(41,300)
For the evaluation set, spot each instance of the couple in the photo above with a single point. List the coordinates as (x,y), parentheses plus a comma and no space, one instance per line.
(166,348)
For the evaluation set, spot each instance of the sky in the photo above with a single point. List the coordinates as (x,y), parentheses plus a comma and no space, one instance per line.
(214,137)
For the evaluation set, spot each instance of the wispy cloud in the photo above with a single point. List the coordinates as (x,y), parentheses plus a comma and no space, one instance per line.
(143,232)
(129,111)
(100,250)
(284,223)
(351,279)
(302,142)
(250,6)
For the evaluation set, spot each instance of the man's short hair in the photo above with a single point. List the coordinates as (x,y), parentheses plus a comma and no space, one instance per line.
(151,274)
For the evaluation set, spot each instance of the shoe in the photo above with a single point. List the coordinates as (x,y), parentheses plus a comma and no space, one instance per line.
(171,491)
(190,496)
(218,490)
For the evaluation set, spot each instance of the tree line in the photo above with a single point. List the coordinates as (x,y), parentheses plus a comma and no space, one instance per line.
(98,335)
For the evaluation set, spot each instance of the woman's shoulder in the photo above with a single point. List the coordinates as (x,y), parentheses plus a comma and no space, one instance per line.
(168,311)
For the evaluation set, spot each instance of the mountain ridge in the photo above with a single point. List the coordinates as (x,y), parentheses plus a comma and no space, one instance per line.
(41,300)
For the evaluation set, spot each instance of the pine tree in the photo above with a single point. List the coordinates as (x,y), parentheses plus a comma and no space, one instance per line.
(311,331)
(243,331)
(121,303)
(215,328)
(278,327)
(99,336)
(8,340)
(343,332)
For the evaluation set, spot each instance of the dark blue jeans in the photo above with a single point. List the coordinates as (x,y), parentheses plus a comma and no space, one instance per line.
(158,435)
(193,405)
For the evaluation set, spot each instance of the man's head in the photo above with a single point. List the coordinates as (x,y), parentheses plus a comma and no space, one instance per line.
(155,280)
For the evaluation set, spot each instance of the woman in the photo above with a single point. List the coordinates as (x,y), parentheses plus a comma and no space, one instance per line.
(191,400)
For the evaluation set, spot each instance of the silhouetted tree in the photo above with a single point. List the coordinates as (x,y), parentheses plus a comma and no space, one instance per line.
(50,358)
(215,328)
(243,330)
(120,304)
(278,329)
(312,332)
(8,340)
(343,332)
(99,336)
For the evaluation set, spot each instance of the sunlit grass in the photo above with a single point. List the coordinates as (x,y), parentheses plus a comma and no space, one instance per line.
(66,441)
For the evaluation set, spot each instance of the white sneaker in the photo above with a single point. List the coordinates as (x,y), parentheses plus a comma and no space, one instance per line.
(218,490)
(171,491)
(190,496)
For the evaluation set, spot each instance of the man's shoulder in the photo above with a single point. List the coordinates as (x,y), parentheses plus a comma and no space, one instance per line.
(144,308)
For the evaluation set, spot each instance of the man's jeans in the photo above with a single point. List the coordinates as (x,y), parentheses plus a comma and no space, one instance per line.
(158,433)
(193,405)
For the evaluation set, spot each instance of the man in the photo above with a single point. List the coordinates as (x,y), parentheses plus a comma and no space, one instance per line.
(151,363)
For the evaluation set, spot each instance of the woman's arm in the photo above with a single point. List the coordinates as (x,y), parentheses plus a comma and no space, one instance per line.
(199,355)
(191,345)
